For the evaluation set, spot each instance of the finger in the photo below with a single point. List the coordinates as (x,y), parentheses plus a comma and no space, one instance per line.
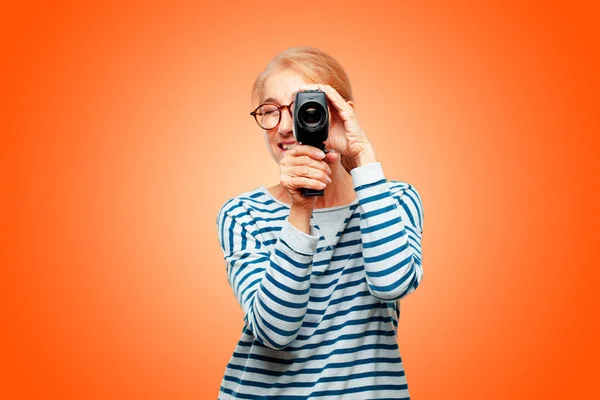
(308,172)
(309,86)
(331,157)
(306,160)
(338,101)
(329,91)
(307,150)
(302,182)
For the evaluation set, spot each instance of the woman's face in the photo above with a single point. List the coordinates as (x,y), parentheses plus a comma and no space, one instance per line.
(280,88)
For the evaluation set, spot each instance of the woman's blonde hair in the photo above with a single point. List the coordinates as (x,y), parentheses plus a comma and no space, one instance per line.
(315,66)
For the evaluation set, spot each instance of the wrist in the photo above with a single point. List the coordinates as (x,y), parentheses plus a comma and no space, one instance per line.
(300,217)
(301,209)
(366,156)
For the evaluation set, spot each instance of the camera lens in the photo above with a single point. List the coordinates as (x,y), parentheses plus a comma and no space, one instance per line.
(311,115)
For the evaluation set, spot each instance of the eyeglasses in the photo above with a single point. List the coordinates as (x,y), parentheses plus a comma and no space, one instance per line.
(268,116)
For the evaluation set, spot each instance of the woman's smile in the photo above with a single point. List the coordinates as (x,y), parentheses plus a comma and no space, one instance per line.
(286,145)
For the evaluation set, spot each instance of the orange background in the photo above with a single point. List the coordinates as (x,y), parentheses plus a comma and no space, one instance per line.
(126,127)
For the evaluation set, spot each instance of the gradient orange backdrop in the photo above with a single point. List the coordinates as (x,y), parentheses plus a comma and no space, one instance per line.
(126,127)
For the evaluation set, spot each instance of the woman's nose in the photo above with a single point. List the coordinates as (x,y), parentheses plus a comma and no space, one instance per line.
(286,123)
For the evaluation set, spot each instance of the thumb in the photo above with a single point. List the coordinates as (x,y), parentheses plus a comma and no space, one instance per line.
(331,157)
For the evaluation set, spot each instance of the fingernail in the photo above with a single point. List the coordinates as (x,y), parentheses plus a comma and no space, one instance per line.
(328,179)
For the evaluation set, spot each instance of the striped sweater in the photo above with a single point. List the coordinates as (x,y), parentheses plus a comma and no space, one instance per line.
(321,310)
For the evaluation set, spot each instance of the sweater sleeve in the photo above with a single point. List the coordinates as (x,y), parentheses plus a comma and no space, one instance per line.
(272,287)
(391,227)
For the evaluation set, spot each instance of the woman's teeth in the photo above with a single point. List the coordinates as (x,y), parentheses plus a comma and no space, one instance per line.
(288,146)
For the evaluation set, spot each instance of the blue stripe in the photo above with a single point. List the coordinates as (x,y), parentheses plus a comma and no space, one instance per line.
(385,256)
(291,248)
(322,379)
(246,264)
(239,395)
(353,216)
(254,208)
(378,211)
(346,271)
(269,229)
(250,286)
(327,272)
(231,235)
(232,262)
(339,392)
(221,228)
(348,243)
(280,301)
(392,286)
(375,197)
(417,251)
(287,258)
(322,299)
(417,259)
(277,315)
(359,389)
(299,360)
(383,225)
(339,339)
(247,276)
(354,296)
(416,197)
(270,242)
(352,229)
(279,331)
(341,257)
(282,271)
(389,270)
(309,371)
(359,307)
(410,229)
(334,328)
(407,211)
(286,289)
(266,210)
(342,338)
(387,239)
(255,200)
(370,185)
(262,335)
(244,236)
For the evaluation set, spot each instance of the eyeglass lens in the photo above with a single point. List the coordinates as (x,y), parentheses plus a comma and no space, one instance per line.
(267,116)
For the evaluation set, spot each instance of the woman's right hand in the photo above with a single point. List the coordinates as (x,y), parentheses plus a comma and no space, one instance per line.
(303,166)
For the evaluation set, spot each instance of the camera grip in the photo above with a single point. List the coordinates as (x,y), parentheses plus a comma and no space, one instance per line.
(312,192)
(315,192)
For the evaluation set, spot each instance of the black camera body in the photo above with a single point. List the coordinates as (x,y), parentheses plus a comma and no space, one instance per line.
(311,124)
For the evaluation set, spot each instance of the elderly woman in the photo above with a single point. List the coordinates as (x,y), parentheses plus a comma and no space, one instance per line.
(319,278)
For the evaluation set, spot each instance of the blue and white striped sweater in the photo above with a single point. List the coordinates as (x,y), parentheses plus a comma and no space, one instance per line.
(321,313)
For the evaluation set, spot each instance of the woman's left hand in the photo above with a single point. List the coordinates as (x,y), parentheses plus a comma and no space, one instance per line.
(346,136)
